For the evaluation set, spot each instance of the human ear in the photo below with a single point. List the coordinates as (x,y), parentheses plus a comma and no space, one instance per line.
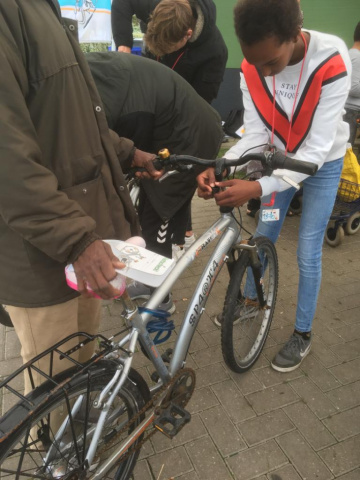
(298,34)
(189,33)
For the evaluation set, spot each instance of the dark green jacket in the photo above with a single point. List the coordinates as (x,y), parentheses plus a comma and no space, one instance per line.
(156,108)
(61,183)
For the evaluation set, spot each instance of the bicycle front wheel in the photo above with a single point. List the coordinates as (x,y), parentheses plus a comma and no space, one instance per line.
(52,441)
(245,325)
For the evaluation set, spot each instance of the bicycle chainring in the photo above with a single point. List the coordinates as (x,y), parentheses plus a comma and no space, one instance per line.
(181,390)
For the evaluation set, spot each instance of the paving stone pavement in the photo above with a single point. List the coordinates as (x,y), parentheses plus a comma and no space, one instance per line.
(261,425)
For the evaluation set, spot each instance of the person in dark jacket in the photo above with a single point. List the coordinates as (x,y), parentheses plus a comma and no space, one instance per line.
(181,34)
(62,188)
(156,108)
(196,49)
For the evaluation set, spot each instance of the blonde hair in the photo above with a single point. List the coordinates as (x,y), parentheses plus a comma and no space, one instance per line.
(168,25)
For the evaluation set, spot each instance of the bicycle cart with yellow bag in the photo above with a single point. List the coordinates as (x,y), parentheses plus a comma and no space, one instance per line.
(345,217)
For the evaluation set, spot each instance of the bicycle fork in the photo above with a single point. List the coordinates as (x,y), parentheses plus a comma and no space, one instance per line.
(256,268)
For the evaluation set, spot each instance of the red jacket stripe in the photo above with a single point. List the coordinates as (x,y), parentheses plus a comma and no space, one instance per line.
(328,71)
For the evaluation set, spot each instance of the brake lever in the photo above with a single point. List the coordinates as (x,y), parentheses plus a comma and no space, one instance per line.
(180,168)
(167,175)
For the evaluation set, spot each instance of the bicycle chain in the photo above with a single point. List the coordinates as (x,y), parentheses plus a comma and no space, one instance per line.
(147,406)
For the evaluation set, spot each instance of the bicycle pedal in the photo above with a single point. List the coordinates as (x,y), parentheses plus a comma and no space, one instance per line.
(171,420)
(154,377)
(166,356)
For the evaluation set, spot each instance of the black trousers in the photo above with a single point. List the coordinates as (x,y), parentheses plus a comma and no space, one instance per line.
(158,234)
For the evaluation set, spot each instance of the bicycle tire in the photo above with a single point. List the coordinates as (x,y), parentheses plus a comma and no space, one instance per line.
(21,456)
(5,317)
(242,339)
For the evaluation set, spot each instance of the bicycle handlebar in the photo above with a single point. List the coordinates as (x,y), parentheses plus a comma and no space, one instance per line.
(281,161)
(271,160)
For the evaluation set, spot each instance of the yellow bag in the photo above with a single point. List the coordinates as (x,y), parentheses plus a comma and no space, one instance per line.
(349,187)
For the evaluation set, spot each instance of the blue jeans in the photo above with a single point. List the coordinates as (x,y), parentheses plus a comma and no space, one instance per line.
(319,194)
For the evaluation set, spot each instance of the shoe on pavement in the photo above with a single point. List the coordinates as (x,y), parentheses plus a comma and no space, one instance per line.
(246,308)
(138,290)
(177,252)
(168,306)
(189,241)
(292,353)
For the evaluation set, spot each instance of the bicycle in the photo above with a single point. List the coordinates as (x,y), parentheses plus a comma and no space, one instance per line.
(91,420)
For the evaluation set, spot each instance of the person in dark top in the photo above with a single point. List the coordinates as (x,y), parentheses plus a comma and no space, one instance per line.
(154,107)
(181,34)
(195,47)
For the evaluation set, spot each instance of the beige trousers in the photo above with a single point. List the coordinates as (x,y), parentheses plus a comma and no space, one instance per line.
(40,328)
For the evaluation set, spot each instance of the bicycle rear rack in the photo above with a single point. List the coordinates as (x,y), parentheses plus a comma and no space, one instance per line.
(11,385)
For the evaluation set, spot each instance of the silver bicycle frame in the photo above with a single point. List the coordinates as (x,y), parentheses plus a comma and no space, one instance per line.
(227,227)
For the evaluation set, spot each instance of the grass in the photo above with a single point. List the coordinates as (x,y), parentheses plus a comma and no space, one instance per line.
(222,151)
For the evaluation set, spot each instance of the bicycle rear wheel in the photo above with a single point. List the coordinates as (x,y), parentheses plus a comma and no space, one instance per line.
(31,449)
(245,325)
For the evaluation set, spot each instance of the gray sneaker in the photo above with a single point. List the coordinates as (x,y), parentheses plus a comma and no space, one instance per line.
(169,306)
(138,290)
(246,308)
(189,241)
(292,353)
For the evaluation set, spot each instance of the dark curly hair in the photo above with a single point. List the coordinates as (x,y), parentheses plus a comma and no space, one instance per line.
(357,33)
(256,20)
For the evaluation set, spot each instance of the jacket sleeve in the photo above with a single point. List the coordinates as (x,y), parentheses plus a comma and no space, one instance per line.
(121,22)
(30,202)
(208,78)
(124,149)
(209,74)
(255,137)
(317,145)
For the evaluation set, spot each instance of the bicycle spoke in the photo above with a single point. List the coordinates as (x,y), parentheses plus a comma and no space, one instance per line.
(55,441)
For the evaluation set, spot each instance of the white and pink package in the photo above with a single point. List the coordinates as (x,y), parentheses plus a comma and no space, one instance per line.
(119,282)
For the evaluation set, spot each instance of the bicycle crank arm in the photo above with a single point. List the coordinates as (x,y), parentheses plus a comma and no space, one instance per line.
(123,447)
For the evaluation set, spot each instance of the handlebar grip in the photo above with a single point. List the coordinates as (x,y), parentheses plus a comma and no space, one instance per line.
(280,161)
(158,164)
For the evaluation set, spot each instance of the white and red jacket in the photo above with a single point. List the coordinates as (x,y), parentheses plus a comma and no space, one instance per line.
(318,133)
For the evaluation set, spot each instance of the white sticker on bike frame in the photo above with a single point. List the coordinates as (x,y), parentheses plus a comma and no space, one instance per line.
(270,215)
